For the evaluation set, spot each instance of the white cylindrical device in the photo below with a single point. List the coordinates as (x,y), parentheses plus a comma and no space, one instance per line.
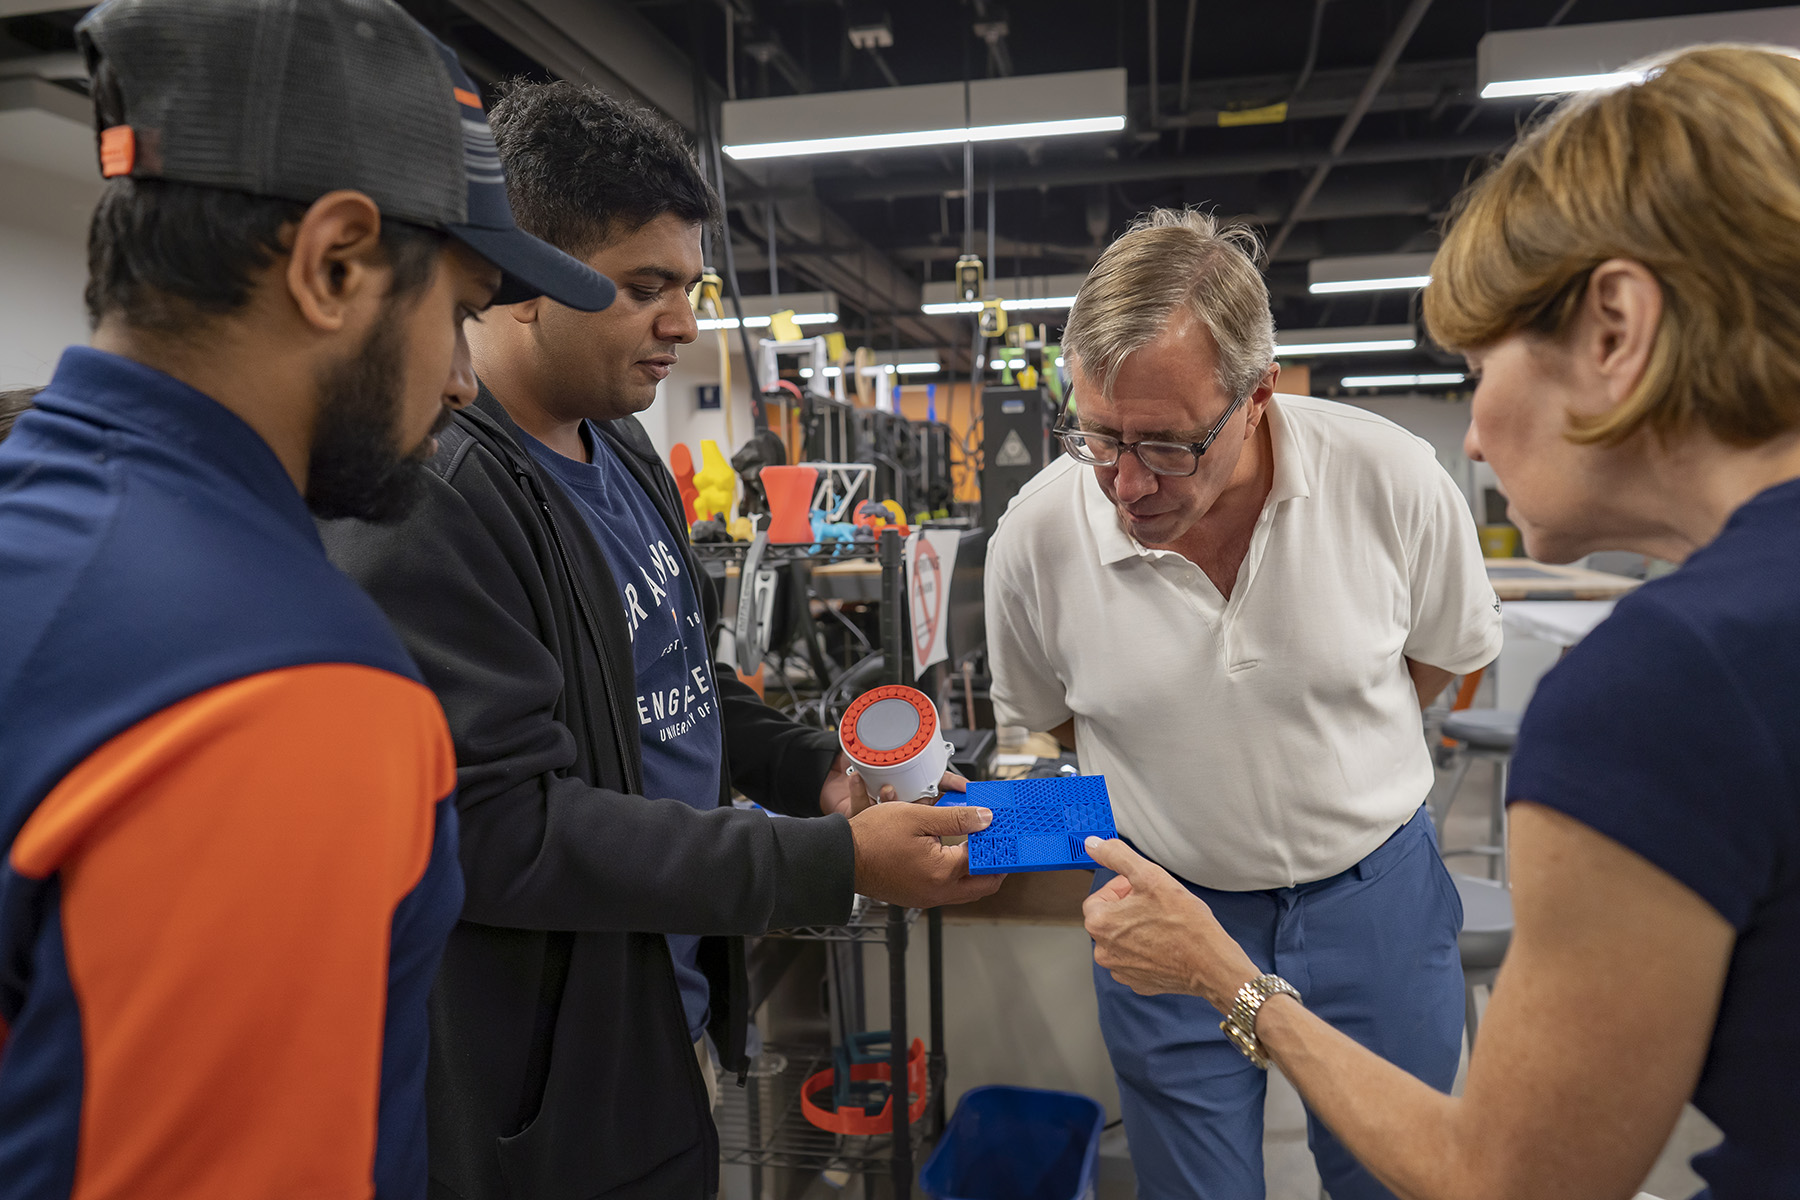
(891,735)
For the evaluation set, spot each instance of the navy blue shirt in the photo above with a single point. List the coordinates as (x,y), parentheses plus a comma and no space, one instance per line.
(165,593)
(1672,729)
(677,709)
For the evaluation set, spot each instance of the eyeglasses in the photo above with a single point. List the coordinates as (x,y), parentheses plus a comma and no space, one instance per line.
(1160,458)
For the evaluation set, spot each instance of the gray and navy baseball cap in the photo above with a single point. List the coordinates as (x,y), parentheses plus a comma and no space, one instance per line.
(296,98)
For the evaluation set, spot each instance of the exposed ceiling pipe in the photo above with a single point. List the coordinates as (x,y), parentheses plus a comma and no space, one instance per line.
(1393,198)
(991,26)
(1155,98)
(766,49)
(1378,76)
(1316,107)
(1312,51)
(881,64)
(818,247)
(607,43)
(1187,63)
(1193,166)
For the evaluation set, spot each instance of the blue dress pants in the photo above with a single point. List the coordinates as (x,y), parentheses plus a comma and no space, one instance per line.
(1372,951)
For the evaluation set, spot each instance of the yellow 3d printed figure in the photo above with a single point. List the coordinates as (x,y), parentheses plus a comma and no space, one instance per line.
(716,480)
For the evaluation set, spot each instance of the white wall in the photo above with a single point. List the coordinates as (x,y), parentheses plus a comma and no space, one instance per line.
(43,268)
(1442,423)
(676,415)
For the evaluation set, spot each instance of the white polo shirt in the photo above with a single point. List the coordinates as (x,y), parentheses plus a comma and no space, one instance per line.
(1271,739)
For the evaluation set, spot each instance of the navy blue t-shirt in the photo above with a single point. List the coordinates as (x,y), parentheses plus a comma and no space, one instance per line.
(677,709)
(1674,729)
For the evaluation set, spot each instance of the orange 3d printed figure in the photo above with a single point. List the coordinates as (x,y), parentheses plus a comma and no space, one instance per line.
(681,465)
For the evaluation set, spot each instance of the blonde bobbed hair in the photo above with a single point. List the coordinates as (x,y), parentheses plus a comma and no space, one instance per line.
(1693,173)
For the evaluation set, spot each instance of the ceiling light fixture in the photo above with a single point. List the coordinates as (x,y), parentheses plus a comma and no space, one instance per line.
(925,137)
(818,318)
(975,306)
(1354,339)
(1321,349)
(1554,60)
(1384,381)
(1368,273)
(905,368)
(1392,283)
(1506,89)
(1009,108)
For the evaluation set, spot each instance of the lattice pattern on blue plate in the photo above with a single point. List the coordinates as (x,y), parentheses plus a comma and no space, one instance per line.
(1039,824)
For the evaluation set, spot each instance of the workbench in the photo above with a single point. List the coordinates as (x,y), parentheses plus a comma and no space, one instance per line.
(1526,579)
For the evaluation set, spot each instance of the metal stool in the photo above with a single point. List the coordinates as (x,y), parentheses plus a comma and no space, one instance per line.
(1488,733)
(1486,933)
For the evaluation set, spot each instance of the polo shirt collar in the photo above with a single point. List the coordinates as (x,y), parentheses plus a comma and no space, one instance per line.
(118,393)
(1291,482)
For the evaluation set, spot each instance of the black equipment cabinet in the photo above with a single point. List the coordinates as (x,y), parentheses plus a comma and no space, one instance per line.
(1015,444)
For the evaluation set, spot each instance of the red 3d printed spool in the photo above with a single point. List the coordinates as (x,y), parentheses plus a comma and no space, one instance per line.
(856,1121)
(789,490)
(891,734)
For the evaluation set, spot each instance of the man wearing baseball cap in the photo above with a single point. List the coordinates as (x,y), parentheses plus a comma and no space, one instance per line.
(230,852)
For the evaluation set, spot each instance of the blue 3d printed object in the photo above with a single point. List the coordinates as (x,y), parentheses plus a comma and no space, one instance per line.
(1039,824)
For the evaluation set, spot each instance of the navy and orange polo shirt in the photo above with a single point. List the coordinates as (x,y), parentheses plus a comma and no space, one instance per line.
(225,809)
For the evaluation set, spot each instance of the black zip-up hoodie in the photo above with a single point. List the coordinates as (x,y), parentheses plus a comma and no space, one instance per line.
(560,1062)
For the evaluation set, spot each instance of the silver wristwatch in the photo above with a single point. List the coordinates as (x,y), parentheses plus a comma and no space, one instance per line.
(1240,1023)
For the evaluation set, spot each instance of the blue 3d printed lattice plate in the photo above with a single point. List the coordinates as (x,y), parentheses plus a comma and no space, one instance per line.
(1039,824)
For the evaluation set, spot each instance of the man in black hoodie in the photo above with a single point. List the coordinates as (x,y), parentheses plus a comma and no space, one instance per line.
(547,591)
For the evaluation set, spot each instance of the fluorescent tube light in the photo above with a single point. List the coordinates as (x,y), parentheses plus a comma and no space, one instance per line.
(1368,273)
(925,137)
(1502,89)
(918,368)
(1322,348)
(1396,283)
(1381,381)
(707,323)
(1345,339)
(1554,60)
(975,306)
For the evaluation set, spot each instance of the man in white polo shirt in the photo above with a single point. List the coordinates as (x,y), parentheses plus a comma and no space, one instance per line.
(1233,603)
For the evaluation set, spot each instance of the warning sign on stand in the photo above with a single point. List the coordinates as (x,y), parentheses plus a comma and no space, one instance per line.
(930,564)
(1012,451)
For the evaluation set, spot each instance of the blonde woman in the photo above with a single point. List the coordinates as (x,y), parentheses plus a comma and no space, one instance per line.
(1626,284)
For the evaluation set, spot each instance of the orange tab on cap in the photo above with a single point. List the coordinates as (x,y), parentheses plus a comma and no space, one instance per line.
(118,151)
(465,96)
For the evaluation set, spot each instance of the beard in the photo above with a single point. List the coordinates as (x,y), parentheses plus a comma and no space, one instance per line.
(358,469)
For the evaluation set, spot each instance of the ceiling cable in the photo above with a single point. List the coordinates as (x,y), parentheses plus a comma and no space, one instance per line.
(1378,77)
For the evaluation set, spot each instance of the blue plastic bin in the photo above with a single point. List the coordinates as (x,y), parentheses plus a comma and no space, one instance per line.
(1012,1143)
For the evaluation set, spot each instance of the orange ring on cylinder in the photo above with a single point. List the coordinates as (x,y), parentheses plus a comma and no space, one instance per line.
(854,746)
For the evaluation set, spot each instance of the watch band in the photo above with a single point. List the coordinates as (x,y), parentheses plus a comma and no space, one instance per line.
(1239,1024)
